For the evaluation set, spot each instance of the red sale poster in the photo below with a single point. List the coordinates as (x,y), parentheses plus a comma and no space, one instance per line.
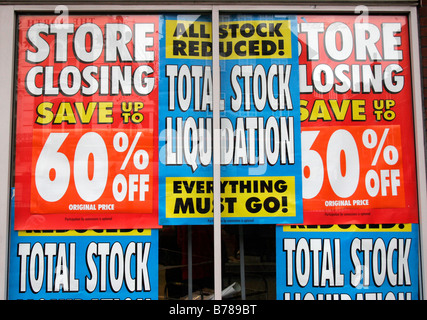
(358,153)
(87,131)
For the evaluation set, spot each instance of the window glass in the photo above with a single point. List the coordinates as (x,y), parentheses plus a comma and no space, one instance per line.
(112,193)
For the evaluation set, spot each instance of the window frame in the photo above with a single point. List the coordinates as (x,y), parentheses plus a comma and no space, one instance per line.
(8,14)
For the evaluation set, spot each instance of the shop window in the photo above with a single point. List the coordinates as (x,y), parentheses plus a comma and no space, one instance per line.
(115,174)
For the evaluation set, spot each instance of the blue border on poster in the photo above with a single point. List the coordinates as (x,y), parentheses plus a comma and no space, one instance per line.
(181,169)
(71,265)
(371,262)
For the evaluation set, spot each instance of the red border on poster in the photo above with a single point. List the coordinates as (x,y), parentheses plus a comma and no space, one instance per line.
(87,122)
(357,121)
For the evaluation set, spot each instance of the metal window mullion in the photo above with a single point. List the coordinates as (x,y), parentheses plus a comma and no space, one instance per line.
(190,261)
(216,154)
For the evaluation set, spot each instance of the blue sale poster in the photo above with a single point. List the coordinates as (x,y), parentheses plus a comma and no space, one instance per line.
(260,132)
(185,119)
(83,264)
(347,262)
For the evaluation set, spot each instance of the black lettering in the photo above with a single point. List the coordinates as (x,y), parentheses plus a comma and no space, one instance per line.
(180,30)
(179,48)
(247,30)
(268,47)
(223,33)
(206,49)
(266,186)
(225,52)
(199,205)
(275,30)
(280,186)
(191,32)
(259,29)
(177,187)
(203,33)
(253,205)
(181,206)
(253,48)
(193,48)
(238,50)
(233,28)
(271,204)
(230,202)
(188,186)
